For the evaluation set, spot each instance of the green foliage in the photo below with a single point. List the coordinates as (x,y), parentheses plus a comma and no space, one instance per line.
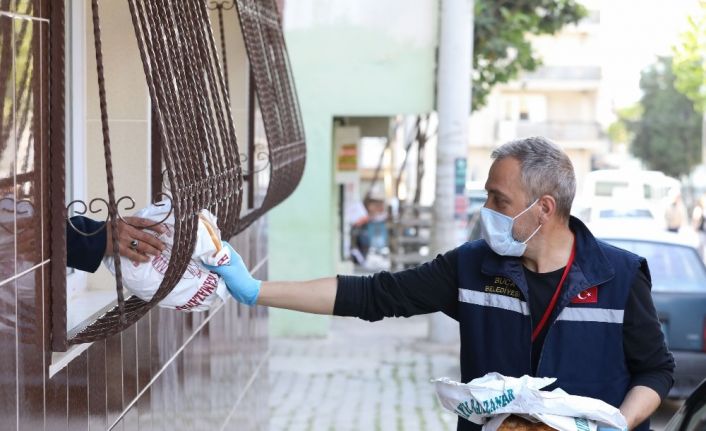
(690,61)
(619,131)
(502,48)
(668,135)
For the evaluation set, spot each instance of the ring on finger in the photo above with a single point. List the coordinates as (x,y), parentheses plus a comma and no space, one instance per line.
(133,244)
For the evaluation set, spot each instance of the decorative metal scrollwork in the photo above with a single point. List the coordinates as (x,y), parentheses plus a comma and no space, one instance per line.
(93,208)
(8,204)
(224,5)
(261,155)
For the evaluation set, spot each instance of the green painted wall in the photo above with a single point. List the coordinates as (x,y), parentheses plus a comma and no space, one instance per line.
(363,58)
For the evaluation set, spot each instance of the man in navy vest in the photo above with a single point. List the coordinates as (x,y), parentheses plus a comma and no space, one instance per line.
(539,295)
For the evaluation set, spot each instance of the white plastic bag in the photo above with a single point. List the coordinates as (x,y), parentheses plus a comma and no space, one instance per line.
(490,399)
(199,289)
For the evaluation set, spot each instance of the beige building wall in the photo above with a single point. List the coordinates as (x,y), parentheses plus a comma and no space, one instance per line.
(128,108)
(129,118)
(238,72)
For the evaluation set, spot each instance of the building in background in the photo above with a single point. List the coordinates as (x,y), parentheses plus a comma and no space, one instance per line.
(358,66)
(560,100)
(589,71)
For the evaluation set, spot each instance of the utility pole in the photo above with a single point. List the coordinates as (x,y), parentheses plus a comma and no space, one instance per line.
(454,108)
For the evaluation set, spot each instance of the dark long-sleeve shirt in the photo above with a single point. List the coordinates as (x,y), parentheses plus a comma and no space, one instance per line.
(84,252)
(433,287)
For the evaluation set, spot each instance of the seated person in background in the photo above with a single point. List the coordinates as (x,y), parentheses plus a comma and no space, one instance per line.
(86,252)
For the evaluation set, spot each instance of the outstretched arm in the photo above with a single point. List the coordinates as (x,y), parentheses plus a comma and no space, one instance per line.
(315,296)
(428,288)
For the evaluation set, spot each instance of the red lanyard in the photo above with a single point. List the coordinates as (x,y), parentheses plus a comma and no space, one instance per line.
(548,312)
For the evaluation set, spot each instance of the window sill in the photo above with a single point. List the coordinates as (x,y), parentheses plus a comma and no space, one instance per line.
(81,310)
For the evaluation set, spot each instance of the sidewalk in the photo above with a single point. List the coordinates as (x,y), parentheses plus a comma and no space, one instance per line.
(368,376)
(363,376)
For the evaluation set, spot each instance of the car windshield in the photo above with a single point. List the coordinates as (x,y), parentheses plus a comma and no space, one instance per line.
(672,267)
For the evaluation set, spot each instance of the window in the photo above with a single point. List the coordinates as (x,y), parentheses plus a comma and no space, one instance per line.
(86,297)
(672,267)
(607,188)
(203,174)
(192,136)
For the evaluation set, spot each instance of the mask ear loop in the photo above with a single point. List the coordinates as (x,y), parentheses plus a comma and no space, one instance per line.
(526,209)
(538,227)
(533,233)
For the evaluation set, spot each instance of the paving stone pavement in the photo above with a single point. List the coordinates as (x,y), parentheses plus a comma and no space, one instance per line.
(363,376)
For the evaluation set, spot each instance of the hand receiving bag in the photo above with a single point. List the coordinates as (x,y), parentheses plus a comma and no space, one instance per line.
(198,289)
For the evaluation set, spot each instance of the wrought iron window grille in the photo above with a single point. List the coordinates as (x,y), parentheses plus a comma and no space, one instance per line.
(191,108)
(271,72)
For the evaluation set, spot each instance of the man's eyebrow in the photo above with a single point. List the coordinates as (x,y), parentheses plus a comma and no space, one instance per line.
(496,192)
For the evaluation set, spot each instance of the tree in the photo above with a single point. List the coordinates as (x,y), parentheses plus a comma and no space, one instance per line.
(619,131)
(667,136)
(689,64)
(502,48)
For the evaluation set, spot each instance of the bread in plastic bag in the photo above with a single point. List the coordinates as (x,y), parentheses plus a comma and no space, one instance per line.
(490,399)
(199,289)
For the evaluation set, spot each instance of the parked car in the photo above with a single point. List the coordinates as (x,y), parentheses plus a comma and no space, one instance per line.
(678,291)
(610,184)
(691,416)
(631,211)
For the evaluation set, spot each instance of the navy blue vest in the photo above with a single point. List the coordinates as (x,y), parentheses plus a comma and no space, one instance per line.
(583,348)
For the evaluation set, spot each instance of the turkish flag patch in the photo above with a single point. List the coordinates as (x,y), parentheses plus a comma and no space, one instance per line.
(588,296)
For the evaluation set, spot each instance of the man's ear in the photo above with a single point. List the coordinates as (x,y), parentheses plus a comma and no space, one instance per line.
(547,207)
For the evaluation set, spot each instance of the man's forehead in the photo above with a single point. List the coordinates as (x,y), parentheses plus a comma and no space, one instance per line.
(505,170)
(504,177)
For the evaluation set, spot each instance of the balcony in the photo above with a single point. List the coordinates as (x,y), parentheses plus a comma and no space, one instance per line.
(569,131)
(561,78)
(565,73)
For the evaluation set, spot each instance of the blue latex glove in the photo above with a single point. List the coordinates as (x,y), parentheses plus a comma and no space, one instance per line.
(244,288)
(606,428)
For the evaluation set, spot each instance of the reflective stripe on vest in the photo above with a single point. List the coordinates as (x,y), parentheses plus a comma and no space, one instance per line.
(605,315)
(487,299)
(571,314)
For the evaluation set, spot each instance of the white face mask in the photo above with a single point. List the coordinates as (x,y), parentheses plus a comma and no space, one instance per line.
(496,230)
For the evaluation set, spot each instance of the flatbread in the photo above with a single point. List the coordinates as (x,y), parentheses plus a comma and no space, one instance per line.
(212,233)
(516,423)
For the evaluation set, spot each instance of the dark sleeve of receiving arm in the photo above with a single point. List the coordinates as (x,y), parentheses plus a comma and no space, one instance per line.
(650,362)
(425,289)
(84,252)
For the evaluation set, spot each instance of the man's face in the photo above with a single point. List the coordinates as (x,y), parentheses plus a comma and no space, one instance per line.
(507,196)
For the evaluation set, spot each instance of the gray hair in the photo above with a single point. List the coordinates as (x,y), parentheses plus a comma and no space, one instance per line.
(546,170)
